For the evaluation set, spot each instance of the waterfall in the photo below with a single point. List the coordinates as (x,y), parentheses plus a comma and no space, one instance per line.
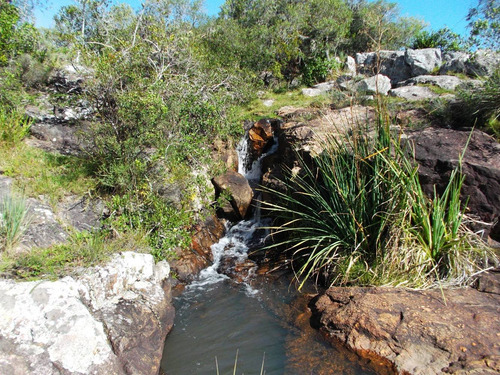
(235,243)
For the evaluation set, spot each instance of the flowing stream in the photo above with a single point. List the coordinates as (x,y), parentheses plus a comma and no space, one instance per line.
(257,322)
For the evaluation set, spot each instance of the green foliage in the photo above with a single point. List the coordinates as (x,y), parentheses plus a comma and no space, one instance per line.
(377,25)
(166,226)
(13,221)
(15,37)
(358,215)
(37,172)
(14,126)
(444,38)
(478,106)
(484,22)
(84,249)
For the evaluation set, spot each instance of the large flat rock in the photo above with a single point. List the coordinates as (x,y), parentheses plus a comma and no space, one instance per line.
(112,320)
(420,332)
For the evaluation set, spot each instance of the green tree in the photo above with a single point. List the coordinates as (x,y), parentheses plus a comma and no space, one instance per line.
(378,25)
(484,22)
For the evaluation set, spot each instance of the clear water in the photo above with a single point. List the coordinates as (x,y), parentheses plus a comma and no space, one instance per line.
(259,322)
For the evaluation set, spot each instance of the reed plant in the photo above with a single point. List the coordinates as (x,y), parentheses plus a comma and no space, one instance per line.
(13,220)
(357,214)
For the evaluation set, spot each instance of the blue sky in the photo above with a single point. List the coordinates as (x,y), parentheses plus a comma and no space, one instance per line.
(437,13)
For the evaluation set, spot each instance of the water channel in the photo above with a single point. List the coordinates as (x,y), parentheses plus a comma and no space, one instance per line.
(261,323)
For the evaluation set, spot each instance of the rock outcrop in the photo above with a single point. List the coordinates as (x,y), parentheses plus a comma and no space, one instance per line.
(413,93)
(420,332)
(111,320)
(378,84)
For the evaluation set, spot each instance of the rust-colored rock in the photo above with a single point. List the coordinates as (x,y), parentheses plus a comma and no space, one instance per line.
(240,194)
(416,330)
(260,134)
(191,261)
(206,234)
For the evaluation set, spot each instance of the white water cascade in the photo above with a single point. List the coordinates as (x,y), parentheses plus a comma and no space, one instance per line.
(235,243)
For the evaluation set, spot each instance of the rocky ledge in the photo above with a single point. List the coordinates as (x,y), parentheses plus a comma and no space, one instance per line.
(420,332)
(112,319)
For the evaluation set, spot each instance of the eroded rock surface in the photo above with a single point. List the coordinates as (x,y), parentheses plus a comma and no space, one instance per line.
(416,330)
(112,320)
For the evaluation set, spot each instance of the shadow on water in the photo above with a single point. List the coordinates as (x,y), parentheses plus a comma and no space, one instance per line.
(271,322)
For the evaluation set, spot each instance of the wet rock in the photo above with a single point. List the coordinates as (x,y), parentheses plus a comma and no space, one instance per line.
(261,135)
(423,61)
(378,84)
(443,81)
(239,191)
(437,151)
(188,264)
(236,269)
(112,320)
(413,93)
(207,233)
(416,330)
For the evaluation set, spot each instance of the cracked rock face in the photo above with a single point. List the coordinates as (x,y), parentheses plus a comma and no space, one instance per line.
(112,320)
(417,331)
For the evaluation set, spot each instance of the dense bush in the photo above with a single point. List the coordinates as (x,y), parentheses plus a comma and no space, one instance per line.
(443,38)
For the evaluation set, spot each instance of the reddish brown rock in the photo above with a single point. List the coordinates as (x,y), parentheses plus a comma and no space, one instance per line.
(418,331)
(239,191)
(191,261)
(260,134)
(437,151)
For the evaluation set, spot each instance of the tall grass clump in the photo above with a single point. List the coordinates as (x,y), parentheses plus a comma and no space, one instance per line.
(13,221)
(357,215)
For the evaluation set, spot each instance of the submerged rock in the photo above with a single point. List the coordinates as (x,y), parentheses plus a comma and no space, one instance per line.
(112,320)
(420,332)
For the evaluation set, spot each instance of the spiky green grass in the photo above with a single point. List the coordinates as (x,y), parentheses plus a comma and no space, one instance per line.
(358,215)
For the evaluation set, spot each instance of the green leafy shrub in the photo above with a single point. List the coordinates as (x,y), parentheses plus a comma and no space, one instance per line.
(84,249)
(444,38)
(358,215)
(477,106)
(14,126)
